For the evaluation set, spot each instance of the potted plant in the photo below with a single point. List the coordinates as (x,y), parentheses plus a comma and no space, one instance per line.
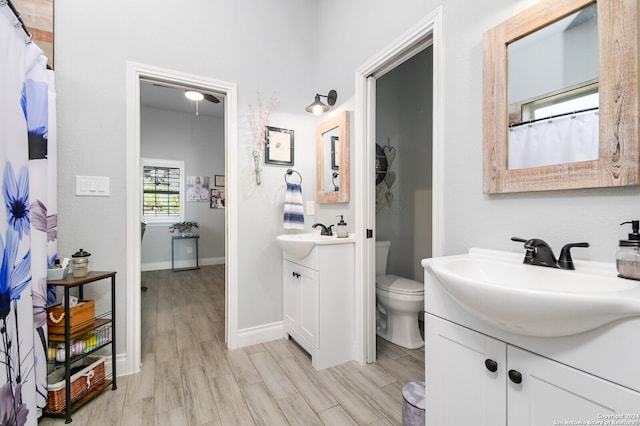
(185,228)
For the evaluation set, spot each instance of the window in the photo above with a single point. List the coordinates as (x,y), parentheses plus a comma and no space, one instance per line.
(576,100)
(162,190)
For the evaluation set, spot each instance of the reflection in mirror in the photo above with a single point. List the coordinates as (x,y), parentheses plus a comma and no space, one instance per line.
(335,152)
(606,79)
(553,93)
(328,141)
(333,160)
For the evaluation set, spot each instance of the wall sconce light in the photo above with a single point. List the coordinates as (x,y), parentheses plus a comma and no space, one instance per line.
(318,107)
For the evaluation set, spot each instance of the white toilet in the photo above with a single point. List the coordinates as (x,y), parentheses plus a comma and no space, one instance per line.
(399,301)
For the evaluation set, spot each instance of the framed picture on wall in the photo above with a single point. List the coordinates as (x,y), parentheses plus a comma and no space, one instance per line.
(198,188)
(218,180)
(278,146)
(217,199)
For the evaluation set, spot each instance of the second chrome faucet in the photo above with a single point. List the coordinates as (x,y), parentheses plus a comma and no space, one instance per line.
(539,253)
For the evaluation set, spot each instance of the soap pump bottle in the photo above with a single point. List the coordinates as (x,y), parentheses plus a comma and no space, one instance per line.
(628,256)
(341,227)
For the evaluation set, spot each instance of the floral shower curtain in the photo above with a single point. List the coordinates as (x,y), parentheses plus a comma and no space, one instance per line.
(28,221)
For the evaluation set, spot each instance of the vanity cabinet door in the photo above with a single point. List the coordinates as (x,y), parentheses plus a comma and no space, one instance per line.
(301,304)
(465,376)
(553,393)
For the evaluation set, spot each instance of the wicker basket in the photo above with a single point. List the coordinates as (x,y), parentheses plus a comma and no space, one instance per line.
(90,376)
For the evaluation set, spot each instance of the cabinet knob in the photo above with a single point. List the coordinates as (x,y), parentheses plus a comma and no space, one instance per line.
(295,274)
(491,365)
(515,376)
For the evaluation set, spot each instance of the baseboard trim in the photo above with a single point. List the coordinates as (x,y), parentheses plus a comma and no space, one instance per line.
(260,334)
(159,266)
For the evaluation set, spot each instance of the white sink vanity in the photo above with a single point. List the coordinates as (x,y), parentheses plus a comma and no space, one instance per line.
(318,291)
(515,344)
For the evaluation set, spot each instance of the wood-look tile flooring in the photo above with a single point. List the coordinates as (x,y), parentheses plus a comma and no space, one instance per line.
(188,377)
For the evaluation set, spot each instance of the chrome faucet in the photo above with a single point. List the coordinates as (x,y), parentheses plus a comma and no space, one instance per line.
(540,254)
(324,230)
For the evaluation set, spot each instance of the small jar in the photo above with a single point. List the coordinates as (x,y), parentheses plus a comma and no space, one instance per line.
(80,263)
(628,259)
(60,354)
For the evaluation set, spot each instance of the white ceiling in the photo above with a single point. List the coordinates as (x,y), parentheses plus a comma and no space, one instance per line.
(168,97)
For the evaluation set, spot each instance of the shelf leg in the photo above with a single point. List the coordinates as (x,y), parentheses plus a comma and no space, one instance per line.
(113,333)
(67,355)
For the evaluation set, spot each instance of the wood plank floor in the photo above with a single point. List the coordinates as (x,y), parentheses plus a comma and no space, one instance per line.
(188,377)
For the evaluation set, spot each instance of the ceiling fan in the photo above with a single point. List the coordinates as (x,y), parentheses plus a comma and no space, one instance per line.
(196,96)
(191,94)
(206,96)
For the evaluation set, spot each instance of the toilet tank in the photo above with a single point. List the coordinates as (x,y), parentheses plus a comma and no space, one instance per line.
(382,253)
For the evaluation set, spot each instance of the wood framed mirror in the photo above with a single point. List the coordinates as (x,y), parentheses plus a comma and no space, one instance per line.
(616,157)
(332,142)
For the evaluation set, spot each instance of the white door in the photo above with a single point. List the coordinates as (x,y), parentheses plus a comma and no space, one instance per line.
(426,32)
(465,376)
(552,393)
(292,296)
(310,302)
(301,304)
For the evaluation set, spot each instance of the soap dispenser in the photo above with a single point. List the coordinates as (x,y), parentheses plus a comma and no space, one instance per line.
(342,230)
(628,256)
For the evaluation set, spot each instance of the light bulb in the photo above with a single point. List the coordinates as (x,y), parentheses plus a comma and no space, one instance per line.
(317,110)
(194,96)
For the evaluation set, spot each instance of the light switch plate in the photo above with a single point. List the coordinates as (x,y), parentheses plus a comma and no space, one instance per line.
(92,186)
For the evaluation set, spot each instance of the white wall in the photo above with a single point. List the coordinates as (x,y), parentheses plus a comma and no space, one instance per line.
(199,142)
(268,47)
(472,218)
(262,46)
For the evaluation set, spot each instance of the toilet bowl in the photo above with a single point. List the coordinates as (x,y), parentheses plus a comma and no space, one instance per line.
(399,302)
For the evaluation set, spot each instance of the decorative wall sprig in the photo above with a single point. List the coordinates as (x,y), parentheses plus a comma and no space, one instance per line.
(258,119)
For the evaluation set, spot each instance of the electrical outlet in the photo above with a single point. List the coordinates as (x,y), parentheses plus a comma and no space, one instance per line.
(189,250)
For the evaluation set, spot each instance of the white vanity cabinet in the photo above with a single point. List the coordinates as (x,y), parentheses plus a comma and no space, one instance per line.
(301,303)
(476,379)
(319,302)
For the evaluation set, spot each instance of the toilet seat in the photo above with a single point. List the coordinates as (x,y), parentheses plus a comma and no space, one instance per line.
(399,285)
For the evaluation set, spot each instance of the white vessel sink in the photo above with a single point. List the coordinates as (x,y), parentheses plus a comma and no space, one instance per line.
(534,300)
(300,245)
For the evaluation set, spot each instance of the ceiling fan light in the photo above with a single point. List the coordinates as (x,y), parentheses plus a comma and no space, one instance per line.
(193,95)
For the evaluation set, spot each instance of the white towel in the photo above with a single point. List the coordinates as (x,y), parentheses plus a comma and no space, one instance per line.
(293,207)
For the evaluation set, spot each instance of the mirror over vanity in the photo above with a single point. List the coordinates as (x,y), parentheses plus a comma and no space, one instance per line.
(561,97)
(332,140)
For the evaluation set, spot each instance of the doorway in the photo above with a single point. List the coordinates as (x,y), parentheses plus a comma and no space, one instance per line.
(135,73)
(426,33)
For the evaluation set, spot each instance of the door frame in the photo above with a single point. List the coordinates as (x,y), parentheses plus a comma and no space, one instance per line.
(427,32)
(135,72)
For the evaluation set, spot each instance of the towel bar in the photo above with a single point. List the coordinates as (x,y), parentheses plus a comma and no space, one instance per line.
(290,172)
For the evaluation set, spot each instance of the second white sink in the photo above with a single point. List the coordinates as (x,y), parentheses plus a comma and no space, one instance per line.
(300,245)
(533,300)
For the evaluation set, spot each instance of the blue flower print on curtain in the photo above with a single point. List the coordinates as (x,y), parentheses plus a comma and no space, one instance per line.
(15,276)
(36,112)
(16,198)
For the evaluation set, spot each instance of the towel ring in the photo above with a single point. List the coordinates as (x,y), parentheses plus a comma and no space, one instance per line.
(290,172)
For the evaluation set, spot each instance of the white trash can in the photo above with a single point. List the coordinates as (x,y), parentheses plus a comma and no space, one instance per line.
(413,404)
